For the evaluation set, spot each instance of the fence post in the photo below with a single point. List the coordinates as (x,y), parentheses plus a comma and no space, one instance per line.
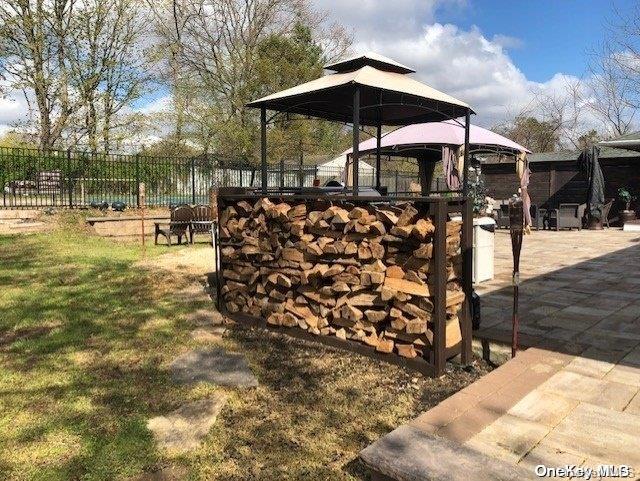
(300,172)
(137,180)
(281,174)
(396,181)
(193,180)
(69,180)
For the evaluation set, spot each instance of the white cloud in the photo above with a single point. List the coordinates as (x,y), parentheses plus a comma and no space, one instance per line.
(382,20)
(463,63)
(507,42)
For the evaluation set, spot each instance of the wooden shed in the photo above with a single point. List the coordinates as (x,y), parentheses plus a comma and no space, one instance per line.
(556,178)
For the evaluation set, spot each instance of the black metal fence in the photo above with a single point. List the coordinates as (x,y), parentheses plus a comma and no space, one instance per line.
(35,179)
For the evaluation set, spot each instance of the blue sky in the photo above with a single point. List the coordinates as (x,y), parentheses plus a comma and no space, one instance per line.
(554,36)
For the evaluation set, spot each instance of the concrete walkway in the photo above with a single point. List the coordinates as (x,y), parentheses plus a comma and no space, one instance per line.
(574,399)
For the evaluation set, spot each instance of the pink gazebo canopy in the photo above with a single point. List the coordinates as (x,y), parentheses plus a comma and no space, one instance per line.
(447,132)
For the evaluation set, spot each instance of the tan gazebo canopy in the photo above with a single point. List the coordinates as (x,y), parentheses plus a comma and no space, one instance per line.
(387,95)
(370,90)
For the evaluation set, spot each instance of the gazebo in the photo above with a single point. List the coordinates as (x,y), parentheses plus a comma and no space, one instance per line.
(429,142)
(388,276)
(367,90)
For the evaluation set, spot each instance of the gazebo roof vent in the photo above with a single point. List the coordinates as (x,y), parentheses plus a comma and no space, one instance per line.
(371,59)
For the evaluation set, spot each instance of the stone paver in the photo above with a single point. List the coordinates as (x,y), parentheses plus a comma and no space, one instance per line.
(213,365)
(509,438)
(183,429)
(601,434)
(632,358)
(550,456)
(634,405)
(574,386)
(408,454)
(625,375)
(543,407)
(593,362)
(586,267)
(615,396)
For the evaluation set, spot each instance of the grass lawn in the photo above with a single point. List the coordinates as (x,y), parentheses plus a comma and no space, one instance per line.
(86,336)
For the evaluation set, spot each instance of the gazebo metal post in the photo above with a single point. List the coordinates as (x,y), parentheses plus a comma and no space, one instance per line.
(378,146)
(356,138)
(263,147)
(467,248)
(440,288)
(465,174)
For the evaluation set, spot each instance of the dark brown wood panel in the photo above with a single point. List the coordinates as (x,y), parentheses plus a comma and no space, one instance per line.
(553,183)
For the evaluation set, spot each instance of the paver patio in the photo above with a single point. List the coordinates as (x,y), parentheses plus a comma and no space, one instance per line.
(573,398)
(578,287)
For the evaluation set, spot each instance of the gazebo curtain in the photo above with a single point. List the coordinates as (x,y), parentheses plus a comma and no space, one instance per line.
(522,169)
(451,166)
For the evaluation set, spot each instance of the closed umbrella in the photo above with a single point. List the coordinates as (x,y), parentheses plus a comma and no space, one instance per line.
(590,165)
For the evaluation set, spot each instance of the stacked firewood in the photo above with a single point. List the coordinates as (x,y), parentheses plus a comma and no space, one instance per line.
(359,273)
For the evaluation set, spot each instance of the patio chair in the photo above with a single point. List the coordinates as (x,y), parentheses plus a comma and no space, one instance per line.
(567,216)
(177,226)
(538,217)
(502,215)
(201,222)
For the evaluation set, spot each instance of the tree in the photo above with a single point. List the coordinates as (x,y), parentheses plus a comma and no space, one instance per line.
(285,61)
(34,37)
(536,135)
(79,63)
(588,139)
(612,90)
(230,52)
(126,70)
(560,112)
(107,65)
(16,140)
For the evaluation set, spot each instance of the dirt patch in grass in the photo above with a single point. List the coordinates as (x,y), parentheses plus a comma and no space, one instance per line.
(195,261)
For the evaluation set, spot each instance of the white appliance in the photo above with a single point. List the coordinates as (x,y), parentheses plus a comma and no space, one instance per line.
(483,248)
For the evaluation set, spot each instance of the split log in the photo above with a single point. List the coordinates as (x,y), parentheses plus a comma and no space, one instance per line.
(406,350)
(375,315)
(407,217)
(395,272)
(407,287)
(385,345)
